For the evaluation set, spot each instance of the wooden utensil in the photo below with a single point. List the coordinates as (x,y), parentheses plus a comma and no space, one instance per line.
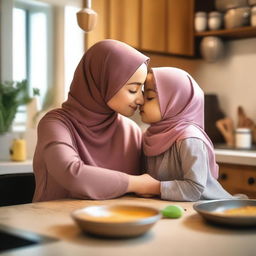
(226,127)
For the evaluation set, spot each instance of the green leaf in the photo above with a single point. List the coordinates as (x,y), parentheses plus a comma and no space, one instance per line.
(12,95)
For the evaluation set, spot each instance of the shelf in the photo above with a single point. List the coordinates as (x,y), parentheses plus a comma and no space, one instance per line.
(235,33)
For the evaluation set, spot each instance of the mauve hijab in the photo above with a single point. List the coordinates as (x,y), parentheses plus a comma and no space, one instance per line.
(101,73)
(100,136)
(182,108)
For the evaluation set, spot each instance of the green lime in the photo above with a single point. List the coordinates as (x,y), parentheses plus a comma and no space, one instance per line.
(172,211)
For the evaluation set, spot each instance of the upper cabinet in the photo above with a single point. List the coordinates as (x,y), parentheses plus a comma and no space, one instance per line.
(165,26)
(180,27)
(153,25)
(124,20)
(160,26)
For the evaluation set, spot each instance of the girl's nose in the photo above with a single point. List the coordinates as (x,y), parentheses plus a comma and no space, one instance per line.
(140,99)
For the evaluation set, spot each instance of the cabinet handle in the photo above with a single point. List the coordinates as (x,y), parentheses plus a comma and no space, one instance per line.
(223,176)
(251,181)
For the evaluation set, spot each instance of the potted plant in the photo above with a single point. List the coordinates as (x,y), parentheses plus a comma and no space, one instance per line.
(12,95)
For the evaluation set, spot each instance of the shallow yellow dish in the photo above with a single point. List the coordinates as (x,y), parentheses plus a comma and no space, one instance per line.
(116,220)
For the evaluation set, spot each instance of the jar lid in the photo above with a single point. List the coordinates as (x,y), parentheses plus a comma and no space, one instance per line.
(214,14)
(243,130)
(201,14)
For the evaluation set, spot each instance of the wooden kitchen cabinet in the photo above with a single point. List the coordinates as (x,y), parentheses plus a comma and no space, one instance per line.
(164,26)
(180,27)
(124,21)
(238,179)
(168,26)
(153,25)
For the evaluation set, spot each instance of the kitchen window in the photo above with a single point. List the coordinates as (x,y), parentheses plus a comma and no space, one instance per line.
(32,51)
(40,42)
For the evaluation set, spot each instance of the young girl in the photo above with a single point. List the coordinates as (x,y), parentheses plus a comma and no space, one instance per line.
(178,151)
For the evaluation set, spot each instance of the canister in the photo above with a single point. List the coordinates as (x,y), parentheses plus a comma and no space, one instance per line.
(243,137)
(200,21)
(214,20)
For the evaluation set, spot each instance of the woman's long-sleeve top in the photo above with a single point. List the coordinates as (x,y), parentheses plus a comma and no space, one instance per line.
(184,173)
(62,172)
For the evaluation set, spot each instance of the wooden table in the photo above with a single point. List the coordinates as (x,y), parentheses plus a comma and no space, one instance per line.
(189,235)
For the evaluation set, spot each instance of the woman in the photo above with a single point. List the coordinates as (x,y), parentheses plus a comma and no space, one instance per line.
(86,149)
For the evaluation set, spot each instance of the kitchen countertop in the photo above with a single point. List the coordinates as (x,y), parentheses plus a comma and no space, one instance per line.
(225,154)
(188,235)
(10,167)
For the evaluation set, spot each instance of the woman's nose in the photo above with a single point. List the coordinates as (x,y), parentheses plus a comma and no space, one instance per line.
(140,99)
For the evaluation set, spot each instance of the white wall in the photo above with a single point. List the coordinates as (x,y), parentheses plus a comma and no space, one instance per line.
(233,78)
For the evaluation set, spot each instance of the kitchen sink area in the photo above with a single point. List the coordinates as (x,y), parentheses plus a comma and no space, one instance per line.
(12,238)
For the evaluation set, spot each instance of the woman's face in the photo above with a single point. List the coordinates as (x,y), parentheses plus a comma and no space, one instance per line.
(127,99)
(150,111)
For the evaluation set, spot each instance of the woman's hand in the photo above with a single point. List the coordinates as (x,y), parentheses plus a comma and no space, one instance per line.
(143,185)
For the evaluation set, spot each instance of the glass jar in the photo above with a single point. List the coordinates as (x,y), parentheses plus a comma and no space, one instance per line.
(243,138)
(200,21)
(214,20)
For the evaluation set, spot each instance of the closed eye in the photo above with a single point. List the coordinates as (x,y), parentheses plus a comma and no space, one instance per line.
(131,91)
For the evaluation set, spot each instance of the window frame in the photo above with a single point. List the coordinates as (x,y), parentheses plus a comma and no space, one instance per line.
(32,7)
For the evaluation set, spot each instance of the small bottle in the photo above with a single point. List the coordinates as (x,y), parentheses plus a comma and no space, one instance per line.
(200,21)
(18,150)
(243,138)
(214,20)
(253,16)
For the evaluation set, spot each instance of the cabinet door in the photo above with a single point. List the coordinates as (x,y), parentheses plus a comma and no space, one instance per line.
(180,23)
(100,32)
(124,21)
(238,179)
(153,25)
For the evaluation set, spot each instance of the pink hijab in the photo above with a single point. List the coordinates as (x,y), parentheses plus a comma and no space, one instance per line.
(102,136)
(182,107)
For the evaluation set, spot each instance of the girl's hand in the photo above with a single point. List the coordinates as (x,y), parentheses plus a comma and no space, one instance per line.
(143,185)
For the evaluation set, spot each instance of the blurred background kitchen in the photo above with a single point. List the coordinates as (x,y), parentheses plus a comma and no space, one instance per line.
(214,40)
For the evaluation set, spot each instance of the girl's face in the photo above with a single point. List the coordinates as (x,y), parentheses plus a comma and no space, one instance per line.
(150,111)
(127,99)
